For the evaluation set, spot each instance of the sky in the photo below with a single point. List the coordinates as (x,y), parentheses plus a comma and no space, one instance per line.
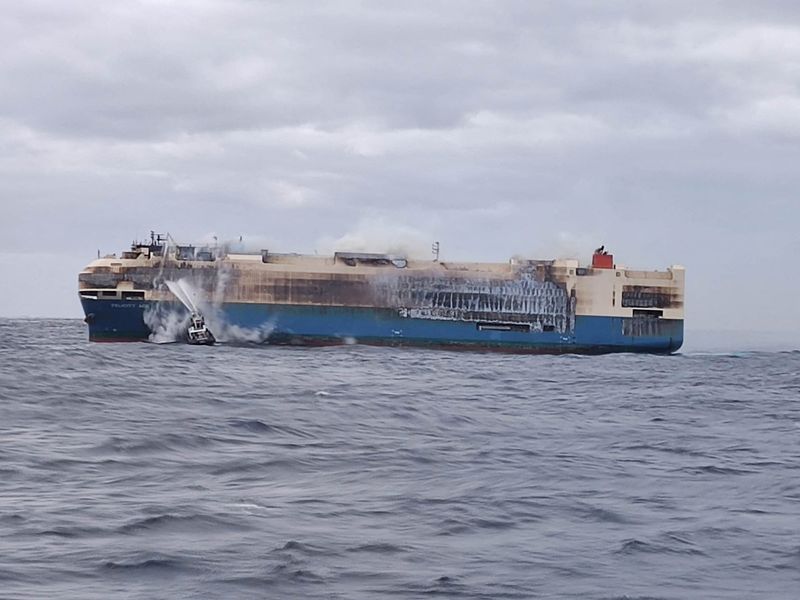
(667,131)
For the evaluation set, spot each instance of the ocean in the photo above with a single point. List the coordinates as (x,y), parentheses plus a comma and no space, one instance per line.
(169,471)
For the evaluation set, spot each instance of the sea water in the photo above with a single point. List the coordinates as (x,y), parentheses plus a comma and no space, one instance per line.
(250,471)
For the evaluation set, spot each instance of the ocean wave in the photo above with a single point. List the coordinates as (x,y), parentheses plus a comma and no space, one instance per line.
(178,522)
(168,471)
(149,564)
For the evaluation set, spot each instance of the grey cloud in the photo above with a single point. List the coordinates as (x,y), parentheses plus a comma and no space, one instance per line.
(665,130)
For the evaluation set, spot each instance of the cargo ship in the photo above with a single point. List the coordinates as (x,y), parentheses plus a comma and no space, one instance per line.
(523,305)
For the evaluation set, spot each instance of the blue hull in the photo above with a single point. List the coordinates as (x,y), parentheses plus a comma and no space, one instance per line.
(115,320)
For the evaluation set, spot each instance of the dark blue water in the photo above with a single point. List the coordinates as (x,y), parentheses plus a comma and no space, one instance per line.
(145,471)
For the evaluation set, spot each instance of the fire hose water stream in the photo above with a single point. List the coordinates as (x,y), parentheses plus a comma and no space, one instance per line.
(207,319)
(197,331)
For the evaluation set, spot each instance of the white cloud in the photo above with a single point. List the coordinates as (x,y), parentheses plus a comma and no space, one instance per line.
(664,130)
(290,194)
(777,116)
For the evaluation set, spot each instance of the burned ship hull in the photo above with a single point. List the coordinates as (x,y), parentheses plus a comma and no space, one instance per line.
(124,322)
(521,306)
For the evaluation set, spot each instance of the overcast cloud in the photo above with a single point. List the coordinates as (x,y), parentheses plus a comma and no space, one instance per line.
(666,130)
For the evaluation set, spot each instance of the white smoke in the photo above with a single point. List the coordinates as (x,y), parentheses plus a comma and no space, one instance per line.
(164,257)
(564,244)
(168,322)
(223,276)
(380,236)
(240,244)
(231,334)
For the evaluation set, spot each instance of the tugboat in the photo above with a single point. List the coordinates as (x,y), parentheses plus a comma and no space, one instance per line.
(198,333)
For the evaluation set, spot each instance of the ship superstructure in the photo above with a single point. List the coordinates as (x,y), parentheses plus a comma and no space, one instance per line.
(522,305)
